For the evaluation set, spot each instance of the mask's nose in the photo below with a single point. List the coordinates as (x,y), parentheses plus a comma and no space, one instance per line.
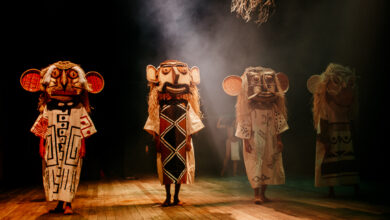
(175,75)
(64,80)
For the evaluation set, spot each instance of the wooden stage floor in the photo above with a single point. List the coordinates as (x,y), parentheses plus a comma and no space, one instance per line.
(209,198)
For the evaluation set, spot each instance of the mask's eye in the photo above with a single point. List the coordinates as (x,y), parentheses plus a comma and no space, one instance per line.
(256,79)
(269,80)
(165,70)
(182,69)
(336,80)
(55,73)
(73,74)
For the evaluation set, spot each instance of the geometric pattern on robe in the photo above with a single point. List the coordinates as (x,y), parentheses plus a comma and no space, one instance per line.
(264,164)
(172,143)
(339,165)
(193,125)
(61,167)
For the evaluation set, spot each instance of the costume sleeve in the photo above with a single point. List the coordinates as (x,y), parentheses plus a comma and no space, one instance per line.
(244,128)
(323,134)
(86,125)
(281,123)
(152,126)
(40,126)
(194,122)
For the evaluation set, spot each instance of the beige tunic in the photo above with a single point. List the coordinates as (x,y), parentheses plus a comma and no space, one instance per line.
(63,131)
(264,165)
(194,124)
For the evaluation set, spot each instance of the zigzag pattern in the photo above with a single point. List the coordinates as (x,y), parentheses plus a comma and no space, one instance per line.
(173,140)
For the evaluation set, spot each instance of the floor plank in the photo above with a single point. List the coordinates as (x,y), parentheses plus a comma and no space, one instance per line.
(209,198)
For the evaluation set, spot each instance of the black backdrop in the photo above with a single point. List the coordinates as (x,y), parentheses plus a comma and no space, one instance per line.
(119,38)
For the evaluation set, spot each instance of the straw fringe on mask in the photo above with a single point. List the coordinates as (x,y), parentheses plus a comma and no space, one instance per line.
(47,74)
(320,100)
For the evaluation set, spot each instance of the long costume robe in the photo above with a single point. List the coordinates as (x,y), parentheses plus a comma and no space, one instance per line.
(176,122)
(338,166)
(264,165)
(63,127)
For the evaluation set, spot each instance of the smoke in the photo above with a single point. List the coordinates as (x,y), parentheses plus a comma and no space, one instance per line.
(207,35)
(299,39)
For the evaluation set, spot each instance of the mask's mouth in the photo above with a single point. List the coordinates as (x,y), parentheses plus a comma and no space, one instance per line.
(333,92)
(262,95)
(63,93)
(175,89)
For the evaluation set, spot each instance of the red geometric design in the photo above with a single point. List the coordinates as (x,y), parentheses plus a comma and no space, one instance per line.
(41,127)
(86,124)
(30,80)
(95,81)
(172,143)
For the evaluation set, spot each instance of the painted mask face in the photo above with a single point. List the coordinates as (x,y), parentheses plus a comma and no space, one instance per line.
(173,77)
(62,81)
(339,81)
(64,84)
(262,85)
(341,87)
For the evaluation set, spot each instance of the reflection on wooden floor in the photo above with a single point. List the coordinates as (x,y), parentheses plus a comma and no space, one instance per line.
(209,198)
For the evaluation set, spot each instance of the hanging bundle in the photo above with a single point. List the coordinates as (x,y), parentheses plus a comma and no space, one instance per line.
(246,8)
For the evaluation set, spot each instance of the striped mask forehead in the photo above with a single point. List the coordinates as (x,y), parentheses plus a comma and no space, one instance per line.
(64,67)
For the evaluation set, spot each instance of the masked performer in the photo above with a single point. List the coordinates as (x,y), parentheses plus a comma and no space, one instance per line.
(261,118)
(334,107)
(174,116)
(62,126)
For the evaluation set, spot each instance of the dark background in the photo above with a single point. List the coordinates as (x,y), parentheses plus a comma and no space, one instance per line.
(119,38)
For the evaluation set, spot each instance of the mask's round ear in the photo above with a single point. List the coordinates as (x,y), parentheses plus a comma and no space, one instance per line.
(195,74)
(30,80)
(312,83)
(283,81)
(232,85)
(151,74)
(95,81)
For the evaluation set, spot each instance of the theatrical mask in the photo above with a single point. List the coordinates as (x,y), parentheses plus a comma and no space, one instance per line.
(173,77)
(262,85)
(341,87)
(63,81)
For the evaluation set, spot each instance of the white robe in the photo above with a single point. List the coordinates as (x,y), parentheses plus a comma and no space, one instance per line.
(264,165)
(194,124)
(61,166)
